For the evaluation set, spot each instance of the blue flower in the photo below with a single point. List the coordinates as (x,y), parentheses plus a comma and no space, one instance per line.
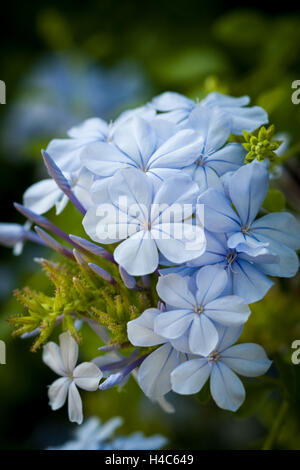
(93,435)
(193,311)
(157,148)
(245,274)
(155,371)
(42,196)
(177,108)
(15,235)
(226,388)
(214,158)
(127,207)
(278,232)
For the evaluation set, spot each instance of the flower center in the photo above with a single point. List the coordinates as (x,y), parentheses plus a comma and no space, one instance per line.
(198,309)
(200,161)
(214,356)
(245,229)
(231,257)
(147,225)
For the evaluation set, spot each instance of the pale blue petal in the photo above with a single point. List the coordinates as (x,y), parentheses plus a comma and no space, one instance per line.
(248,281)
(212,124)
(174,323)
(169,200)
(229,158)
(154,372)
(189,377)
(248,189)
(282,227)
(169,101)
(219,99)
(229,310)
(211,282)
(203,335)
(136,139)
(218,213)
(141,330)
(104,159)
(228,336)
(42,196)
(247,359)
(226,388)
(288,264)
(174,290)
(138,254)
(180,150)
(215,251)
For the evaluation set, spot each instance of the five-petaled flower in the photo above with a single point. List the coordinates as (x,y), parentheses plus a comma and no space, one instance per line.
(62,360)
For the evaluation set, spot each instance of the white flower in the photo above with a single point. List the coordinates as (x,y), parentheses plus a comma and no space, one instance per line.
(62,360)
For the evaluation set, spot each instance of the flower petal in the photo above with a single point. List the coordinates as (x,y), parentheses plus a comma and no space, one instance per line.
(170,100)
(281,227)
(190,376)
(138,254)
(229,158)
(87,376)
(174,290)
(248,189)
(69,350)
(203,335)
(226,388)
(229,310)
(211,282)
(248,281)
(154,372)
(140,331)
(173,324)
(74,405)
(57,392)
(218,213)
(247,359)
(180,150)
(53,358)
(42,196)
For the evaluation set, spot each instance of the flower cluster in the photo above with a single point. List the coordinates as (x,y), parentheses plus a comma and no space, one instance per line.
(168,183)
(93,435)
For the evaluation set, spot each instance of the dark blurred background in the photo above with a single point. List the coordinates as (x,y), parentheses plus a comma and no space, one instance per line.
(63,62)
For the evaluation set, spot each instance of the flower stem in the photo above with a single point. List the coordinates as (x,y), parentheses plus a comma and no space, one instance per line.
(271,438)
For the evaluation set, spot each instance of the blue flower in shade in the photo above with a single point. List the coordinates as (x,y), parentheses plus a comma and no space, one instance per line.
(245,274)
(157,148)
(137,441)
(147,220)
(214,158)
(193,311)
(93,435)
(15,235)
(177,108)
(278,232)
(155,371)
(226,388)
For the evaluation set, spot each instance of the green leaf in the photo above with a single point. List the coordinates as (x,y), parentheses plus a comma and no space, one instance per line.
(275,201)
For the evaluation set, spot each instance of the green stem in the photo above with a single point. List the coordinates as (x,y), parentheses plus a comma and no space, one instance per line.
(271,438)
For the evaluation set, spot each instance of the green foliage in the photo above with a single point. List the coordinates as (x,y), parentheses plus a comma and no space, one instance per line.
(79,293)
(275,201)
(259,145)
